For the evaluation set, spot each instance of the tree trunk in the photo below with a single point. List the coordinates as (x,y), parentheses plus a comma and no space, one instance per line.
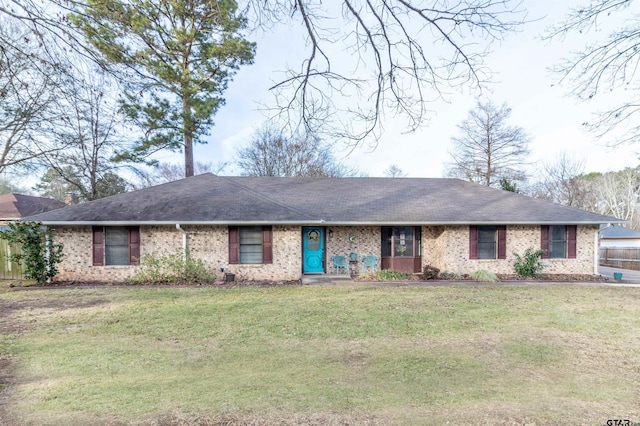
(188,138)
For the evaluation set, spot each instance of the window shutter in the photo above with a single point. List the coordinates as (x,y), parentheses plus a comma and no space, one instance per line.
(134,245)
(502,242)
(572,233)
(98,246)
(267,245)
(234,245)
(473,242)
(544,240)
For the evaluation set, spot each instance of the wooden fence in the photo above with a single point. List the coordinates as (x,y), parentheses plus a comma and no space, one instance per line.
(9,270)
(624,258)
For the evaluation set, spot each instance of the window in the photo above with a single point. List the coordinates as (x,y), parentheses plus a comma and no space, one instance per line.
(401,241)
(488,242)
(116,245)
(559,241)
(250,245)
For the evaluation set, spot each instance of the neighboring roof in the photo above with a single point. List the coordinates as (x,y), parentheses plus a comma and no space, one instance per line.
(210,199)
(15,206)
(619,232)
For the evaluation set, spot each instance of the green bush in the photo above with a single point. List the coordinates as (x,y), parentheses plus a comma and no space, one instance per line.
(172,269)
(389,275)
(38,255)
(529,264)
(484,276)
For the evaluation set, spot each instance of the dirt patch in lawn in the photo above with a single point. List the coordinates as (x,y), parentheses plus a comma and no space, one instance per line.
(325,419)
(6,380)
(11,326)
(7,373)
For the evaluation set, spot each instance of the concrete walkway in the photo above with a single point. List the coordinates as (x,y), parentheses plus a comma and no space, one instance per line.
(628,276)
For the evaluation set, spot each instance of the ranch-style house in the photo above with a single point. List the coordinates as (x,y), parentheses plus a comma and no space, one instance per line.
(273,228)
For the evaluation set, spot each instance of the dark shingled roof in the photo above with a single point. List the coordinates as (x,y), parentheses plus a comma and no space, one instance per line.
(15,206)
(619,232)
(236,200)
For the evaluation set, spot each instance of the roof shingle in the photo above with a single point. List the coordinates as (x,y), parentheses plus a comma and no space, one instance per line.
(15,206)
(235,200)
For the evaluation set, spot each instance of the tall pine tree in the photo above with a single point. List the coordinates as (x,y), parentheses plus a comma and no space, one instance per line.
(175,59)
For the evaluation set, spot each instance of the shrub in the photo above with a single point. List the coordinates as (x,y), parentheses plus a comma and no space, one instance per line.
(529,264)
(389,275)
(445,275)
(430,272)
(38,255)
(172,269)
(484,276)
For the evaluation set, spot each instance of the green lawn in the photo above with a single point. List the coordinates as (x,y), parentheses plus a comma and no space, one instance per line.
(485,354)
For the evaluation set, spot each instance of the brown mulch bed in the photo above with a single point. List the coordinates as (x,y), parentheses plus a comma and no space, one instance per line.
(266,283)
(505,277)
(555,278)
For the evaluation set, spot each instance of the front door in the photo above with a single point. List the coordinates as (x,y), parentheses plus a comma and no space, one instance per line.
(313,250)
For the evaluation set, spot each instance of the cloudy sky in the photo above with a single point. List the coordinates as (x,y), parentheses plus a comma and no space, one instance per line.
(522,80)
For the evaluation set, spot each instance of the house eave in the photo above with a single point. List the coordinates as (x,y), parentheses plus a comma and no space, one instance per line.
(318,222)
(172,223)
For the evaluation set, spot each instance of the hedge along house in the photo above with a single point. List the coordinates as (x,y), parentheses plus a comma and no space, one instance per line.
(282,228)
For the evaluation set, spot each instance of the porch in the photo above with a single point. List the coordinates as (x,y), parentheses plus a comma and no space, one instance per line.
(396,248)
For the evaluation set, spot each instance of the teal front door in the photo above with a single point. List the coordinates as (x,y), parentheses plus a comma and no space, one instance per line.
(313,250)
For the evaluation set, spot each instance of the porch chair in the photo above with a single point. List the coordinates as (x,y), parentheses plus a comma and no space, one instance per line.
(339,262)
(369,261)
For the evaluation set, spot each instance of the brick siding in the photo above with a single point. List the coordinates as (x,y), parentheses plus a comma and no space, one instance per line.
(445,247)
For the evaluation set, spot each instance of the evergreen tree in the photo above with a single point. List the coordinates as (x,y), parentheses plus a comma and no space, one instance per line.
(177,56)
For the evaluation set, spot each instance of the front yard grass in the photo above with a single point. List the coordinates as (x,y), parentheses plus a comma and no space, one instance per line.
(484,354)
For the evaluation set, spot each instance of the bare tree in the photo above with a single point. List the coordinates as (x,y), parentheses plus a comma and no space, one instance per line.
(28,89)
(168,172)
(562,181)
(365,58)
(394,171)
(613,193)
(487,149)
(400,55)
(270,153)
(608,65)
(88,124)
(617,194)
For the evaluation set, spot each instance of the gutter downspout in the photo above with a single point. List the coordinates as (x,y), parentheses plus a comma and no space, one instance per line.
(184,244)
